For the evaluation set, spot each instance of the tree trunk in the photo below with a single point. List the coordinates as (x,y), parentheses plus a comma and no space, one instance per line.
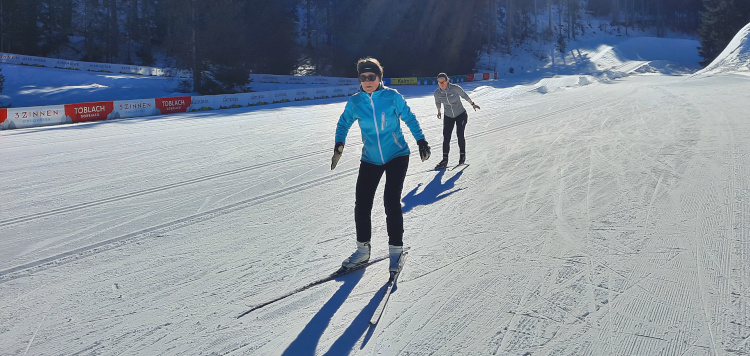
(509,25)
(194,47)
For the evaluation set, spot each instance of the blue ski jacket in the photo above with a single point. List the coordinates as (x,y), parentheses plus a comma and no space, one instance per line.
(379,118)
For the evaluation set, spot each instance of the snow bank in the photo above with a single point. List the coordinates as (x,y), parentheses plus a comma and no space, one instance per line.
(735,57)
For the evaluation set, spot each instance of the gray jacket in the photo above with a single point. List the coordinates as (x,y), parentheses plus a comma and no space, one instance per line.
(451,99)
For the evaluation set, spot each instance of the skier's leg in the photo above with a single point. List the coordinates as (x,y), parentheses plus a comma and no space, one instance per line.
(367,183)
(395,173)
(460,130)
(448,123)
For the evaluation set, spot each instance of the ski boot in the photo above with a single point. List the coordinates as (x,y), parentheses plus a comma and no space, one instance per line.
(462,159)
(360,256)
(442,164)
(394,252)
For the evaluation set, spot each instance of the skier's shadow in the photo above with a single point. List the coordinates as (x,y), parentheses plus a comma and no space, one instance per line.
(432,192)
(359,326)
(307,341)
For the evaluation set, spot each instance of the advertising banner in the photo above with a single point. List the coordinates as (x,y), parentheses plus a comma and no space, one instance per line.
(470,77)
(34,61)
(83,112)
(302,94)
(66,64)
(404,81)
(230,101)
(295,79)
(100,67)
(17,118)
(134,108)
(10,58)
(13,118)
(201,103)
(173,104)
(260,98)
(282,96)
(320,93)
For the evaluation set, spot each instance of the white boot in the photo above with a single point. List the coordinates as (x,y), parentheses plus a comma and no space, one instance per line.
(395,254)
(360,256)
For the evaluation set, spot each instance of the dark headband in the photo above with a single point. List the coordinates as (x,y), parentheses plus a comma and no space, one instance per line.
(368,66)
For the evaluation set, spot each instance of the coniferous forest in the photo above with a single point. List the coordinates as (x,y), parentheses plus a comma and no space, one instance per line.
(222,41)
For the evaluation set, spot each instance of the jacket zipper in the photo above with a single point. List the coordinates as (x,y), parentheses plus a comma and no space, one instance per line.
(395,139)
(447,100)
(377,132)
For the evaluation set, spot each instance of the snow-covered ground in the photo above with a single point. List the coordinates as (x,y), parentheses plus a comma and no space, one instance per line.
(604,212)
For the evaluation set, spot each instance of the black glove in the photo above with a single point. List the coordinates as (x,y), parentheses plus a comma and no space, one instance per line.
(337,149)
(424,149)
(475,106)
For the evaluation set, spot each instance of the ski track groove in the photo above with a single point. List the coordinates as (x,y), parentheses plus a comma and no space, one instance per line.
(73,255)
(76,207)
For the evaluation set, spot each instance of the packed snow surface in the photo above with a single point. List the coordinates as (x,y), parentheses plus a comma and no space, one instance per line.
(605,212)
(735,58)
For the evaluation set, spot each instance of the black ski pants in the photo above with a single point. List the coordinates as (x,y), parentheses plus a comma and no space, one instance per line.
(367,184)
(460,123)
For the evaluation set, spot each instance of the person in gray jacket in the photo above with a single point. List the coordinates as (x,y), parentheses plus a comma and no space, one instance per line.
(449,95)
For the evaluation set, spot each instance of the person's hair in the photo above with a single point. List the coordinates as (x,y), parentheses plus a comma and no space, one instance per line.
(443,75)
(369,64)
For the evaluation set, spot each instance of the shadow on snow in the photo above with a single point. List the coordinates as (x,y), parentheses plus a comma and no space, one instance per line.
(307,341)
(432,192)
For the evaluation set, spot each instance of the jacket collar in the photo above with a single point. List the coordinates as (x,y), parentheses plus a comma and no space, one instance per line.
(380,87)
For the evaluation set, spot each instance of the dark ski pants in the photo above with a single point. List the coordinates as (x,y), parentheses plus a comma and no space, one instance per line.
(367,184)
(460,123)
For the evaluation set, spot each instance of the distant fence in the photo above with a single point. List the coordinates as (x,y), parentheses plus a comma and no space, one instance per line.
(19,59)
(26,117)
(433,80)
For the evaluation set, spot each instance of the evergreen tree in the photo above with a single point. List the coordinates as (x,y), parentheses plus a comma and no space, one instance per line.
(721,21)
(2,80)
(410,37)
(268,31)
(56,24)
(20,32)
(93,31)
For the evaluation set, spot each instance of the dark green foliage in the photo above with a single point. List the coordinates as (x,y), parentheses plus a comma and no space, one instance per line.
(224,40)
(721,21)
(20,32)
(2,80)
(409,37)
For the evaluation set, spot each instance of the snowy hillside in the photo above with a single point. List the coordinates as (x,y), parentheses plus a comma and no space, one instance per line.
(605,211)
(735,57)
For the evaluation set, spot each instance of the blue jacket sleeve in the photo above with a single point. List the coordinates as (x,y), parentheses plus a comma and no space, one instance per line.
(408,117)
(345,122)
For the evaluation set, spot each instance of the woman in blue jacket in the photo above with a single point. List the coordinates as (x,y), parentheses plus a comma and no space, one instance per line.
(379,111)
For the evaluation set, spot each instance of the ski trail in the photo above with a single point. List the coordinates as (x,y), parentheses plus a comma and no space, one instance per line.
(28,346)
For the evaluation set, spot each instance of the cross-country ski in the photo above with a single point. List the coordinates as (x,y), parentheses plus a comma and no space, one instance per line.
(340,272)
(389,289)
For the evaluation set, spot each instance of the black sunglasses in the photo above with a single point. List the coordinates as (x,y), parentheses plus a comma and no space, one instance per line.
(367,77)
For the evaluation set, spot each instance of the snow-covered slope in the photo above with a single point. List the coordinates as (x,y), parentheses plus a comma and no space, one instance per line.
(734,58)
(611,218)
